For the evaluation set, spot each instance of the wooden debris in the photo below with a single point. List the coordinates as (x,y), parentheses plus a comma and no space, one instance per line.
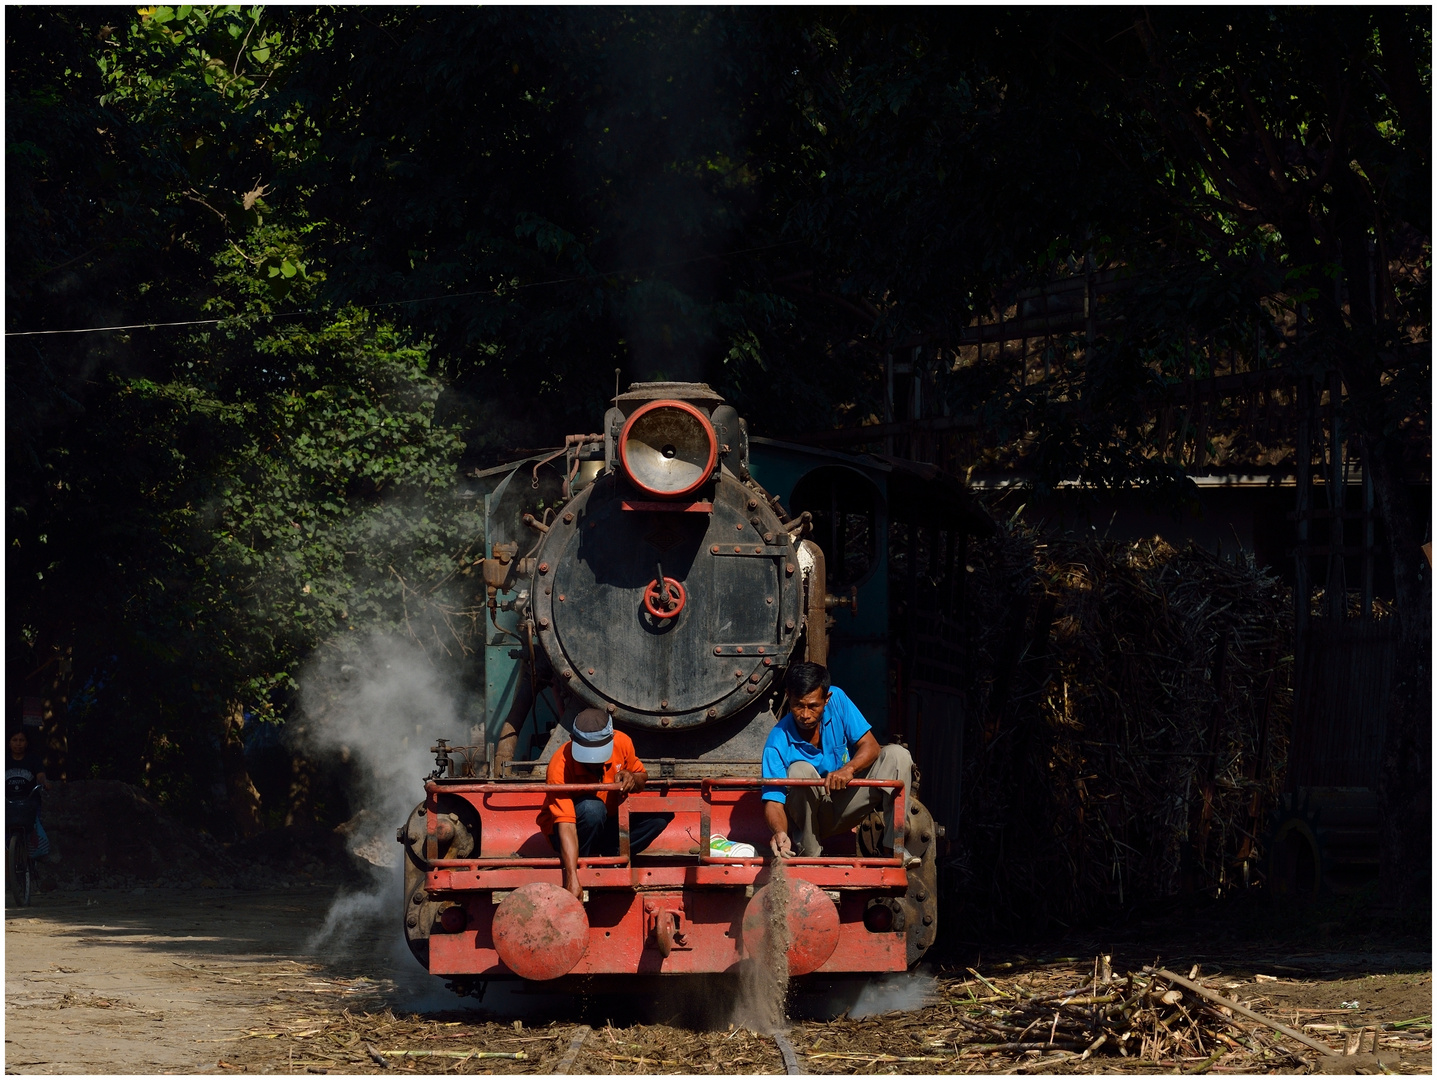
(1241,1010)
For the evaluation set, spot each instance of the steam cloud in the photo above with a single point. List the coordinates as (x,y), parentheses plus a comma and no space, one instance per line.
(379,707)
(902,992)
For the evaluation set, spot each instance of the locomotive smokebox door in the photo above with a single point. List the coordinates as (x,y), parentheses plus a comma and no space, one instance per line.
(667,594)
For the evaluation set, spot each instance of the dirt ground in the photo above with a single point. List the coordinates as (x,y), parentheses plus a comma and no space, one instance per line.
(209,980)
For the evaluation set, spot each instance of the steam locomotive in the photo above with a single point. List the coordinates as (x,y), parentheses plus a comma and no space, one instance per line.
(645,571)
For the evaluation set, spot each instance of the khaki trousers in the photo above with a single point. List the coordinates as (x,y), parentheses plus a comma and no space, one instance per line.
(814,814)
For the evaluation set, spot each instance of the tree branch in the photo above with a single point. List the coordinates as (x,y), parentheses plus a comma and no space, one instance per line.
(1274,163)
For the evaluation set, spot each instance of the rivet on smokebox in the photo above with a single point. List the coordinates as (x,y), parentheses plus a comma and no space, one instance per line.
(718,650)
(613,709)
(752,689)
(738,526)
(712,713)
(736,549)
(737,674)
(543,568)
(568,519)
(788,569)
(568,674)
(664,704)
(753,504)
(412,921)
(591,671)
(561,598)
(768,538)
(714,549)
(768,661)
(766,599)
(754,677)
(544,623)
(788,624)
(666,720)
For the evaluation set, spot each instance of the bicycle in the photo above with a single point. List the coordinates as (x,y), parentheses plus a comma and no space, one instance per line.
(20,816)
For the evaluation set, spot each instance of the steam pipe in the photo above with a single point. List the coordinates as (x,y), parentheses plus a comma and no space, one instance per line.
(815,620)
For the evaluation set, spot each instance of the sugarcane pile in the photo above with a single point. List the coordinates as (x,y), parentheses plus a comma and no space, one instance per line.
(1155,1016)
(1133,703)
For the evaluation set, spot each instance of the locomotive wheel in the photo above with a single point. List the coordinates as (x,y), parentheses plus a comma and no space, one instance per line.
(418,913)
(920,903)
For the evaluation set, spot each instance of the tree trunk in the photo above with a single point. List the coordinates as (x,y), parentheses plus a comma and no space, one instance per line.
(243,796)
(1404,789)
(301,791)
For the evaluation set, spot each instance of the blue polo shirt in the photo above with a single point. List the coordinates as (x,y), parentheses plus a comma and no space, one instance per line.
(843,725)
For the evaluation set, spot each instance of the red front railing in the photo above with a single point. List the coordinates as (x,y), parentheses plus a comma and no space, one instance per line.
(659,796)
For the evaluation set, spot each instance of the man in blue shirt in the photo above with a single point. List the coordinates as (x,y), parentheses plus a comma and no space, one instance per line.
(824,736)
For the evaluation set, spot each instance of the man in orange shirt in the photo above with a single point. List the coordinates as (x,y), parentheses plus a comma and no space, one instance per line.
(588,824)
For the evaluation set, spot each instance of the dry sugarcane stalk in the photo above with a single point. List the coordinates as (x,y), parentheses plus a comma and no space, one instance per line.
(1128,701)
(1212,1060)
(517,1055)
(1227,1003)
(1021,1047)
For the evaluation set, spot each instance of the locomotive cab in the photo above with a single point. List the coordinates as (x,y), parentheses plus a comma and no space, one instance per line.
(645,572)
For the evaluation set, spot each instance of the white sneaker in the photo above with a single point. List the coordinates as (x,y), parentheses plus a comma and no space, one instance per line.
(727,849)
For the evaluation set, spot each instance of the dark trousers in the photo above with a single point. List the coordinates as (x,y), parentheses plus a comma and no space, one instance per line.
(599,833)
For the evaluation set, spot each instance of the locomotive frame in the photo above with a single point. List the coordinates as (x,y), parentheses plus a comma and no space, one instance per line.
(689,660)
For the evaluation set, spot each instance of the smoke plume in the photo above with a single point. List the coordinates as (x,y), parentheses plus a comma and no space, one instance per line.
(378,708)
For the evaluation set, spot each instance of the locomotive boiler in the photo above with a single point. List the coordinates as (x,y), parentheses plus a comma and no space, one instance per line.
(644,571)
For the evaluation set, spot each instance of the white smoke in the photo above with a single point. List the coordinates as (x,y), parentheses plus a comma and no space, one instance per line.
(899,992)
(349,909)
(378,708)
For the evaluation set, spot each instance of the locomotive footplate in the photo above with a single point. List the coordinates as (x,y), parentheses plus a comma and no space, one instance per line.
(672,909)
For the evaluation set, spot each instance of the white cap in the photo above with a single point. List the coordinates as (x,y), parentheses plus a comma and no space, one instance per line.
(594,745)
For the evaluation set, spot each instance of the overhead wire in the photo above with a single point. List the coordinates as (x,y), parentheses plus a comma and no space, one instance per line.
(414,300)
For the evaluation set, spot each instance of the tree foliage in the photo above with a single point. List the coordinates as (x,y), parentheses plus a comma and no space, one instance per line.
(194,511)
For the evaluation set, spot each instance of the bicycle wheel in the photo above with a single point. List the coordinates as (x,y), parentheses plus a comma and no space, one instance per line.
(26,882)
(14,851)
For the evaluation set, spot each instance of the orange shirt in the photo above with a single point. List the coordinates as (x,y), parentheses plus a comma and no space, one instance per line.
(563,769)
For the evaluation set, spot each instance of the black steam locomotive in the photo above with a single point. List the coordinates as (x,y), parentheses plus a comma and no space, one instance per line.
(644,570)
